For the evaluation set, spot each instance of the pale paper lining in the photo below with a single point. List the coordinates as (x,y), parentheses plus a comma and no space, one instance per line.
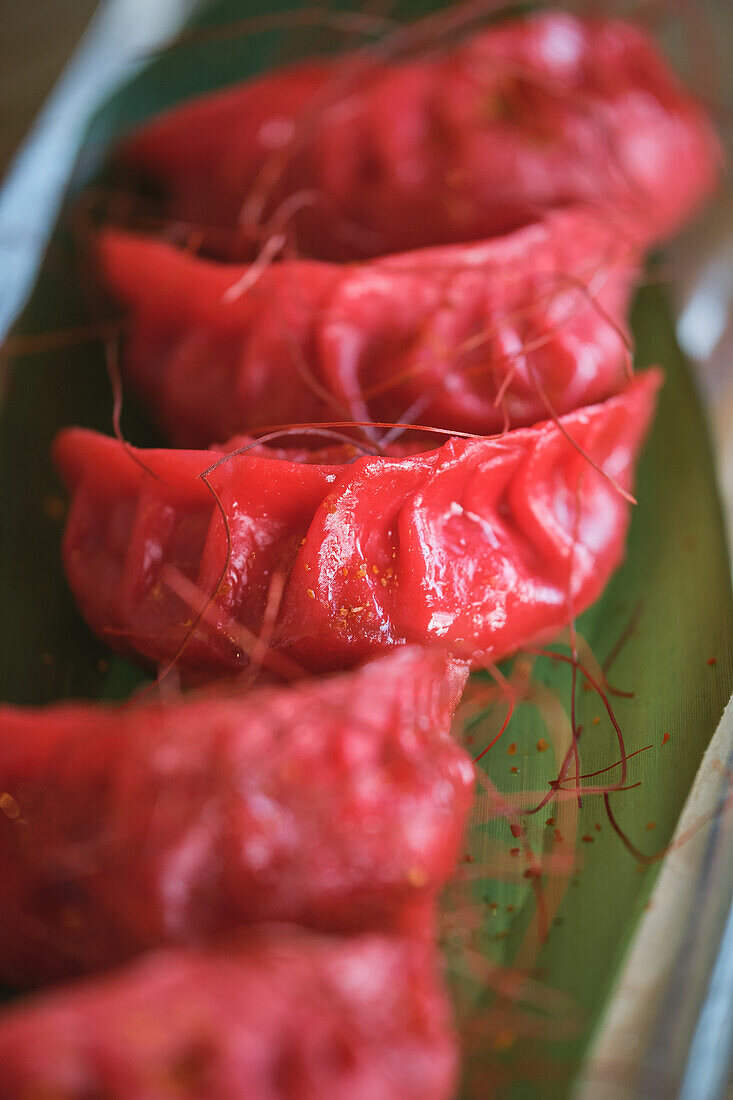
(689,905)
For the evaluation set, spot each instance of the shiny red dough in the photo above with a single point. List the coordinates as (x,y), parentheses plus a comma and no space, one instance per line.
(357,157)
(208,367)
(470,337)
(338,803)
(282,1015)
(480,546)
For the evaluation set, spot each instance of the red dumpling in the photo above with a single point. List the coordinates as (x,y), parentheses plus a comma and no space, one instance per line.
(357,157)
(468,337)
(280,1015)
(479,546)
(337,803)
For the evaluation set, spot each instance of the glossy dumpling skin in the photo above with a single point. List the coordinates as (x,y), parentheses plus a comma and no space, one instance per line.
(281,1015)
(527,115)
(479,546)
(337,803)
(472,337)
(208,366)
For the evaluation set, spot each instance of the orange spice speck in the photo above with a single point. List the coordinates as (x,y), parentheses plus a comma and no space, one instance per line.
(9,806)
(54,507)
(665,739)
(504,1037)
(417,877)
(651,824)
(712,660)
(71,918)
(596,720)
(587,839)
(311,593)
(597,827)
(542,745)
(514,770)
(514,851)
(550,821)
(558,836)
(512,750)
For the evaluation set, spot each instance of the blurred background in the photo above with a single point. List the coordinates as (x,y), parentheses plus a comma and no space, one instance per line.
(36,40)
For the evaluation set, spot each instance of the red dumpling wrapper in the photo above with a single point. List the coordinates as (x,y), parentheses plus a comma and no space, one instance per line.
(479,546)
(355,157)
(338,803)
(280,1015)
(472,337)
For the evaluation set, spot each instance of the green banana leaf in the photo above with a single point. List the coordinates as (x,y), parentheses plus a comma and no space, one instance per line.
(532,959)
